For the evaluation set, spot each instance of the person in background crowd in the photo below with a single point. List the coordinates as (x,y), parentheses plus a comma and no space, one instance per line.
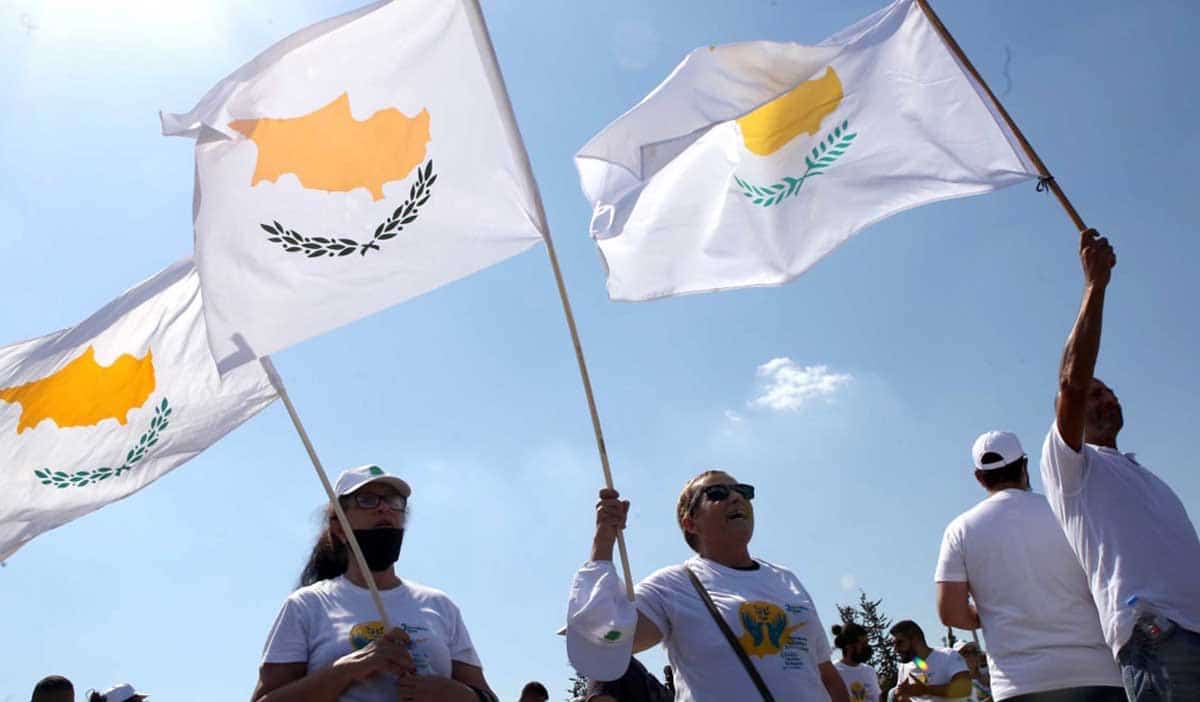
(927,674)
(1126,526)
(1031,595)
(328,643)
(862,683)
(778,632)
(981,682)
(534,692)
(53,688)
(117,693)
(636,685)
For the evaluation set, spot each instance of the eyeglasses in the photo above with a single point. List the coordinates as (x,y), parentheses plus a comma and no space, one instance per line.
(717,493)
(367,500)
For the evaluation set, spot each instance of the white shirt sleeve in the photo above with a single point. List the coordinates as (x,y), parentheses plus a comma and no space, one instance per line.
(818,642)
(951,565)
(955,664)
(288,640)
(873,690)
(1062,467)
(652,596)
(461,648)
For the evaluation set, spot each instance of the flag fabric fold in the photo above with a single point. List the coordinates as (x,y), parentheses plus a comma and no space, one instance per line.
(752,161)
(94,413)
(356,164)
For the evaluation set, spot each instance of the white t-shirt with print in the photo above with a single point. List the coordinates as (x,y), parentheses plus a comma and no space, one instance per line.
(1041,626)
(321,623)
(941,665)
(1128,529)
(862,684)
(768,610)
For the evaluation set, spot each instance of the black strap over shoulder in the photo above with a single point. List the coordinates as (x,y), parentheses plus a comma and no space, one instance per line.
(733,642)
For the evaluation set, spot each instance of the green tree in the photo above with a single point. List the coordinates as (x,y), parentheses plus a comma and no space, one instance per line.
(869,614)
(578,689)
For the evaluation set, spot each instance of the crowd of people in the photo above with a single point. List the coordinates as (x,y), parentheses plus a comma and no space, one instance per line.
(1090,593)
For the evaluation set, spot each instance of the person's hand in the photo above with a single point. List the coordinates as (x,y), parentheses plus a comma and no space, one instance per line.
(610,517)
(1097,257)
(430,688)
(387,654)
(910,688)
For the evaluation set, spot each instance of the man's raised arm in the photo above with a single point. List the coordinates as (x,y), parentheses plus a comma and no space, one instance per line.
(1083,345)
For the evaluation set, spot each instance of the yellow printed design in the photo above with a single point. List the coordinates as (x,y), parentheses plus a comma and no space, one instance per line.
(364,633)
(766,626)
(329,150)
(800,110)
(83,393)
(858,692)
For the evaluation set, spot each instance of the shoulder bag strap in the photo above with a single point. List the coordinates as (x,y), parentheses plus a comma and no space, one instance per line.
(733,642)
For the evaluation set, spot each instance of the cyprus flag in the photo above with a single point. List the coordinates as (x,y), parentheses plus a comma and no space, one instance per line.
(94,413)
(752,161)
(358,163)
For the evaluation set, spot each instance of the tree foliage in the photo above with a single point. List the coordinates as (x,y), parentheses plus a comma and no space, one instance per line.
(578,689)
(869,614)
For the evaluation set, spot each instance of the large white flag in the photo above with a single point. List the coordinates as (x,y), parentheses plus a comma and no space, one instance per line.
(94,413)
(358,163)
(752,161)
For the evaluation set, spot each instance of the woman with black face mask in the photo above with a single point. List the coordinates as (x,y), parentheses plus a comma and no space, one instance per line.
(328,644)
(862,683)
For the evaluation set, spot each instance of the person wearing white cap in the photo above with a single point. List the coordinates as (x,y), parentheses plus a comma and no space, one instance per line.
(328,643)
(981,684)
(779,649)
(1031,595)
(1126,526)
(117,693)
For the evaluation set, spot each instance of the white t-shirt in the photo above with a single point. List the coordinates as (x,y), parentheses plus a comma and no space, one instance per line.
(862,684)
(1130,532)
(768,610)
(327,620)
(942,665)
(1041,626)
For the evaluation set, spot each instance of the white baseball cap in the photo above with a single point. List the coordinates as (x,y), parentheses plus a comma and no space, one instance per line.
(354,478)
(600,626)
(1002,443)
(121,693)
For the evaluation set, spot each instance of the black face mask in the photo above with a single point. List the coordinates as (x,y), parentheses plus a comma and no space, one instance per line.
(380,546)
(865,654)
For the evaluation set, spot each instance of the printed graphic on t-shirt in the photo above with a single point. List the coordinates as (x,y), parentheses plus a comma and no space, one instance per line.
(858,692)
(364,633)
(767,632)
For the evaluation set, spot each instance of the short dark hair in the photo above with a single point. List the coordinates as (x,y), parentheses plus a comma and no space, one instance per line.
(1010,473)
(908,629)
(50,684)
(535,687)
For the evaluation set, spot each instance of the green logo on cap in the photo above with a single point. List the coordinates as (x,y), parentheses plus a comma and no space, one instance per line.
(375,470)
(612,635)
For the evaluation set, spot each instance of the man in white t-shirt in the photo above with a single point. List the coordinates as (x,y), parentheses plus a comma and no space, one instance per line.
(1031,595)
(1128,529)
(767,612)
(927,674)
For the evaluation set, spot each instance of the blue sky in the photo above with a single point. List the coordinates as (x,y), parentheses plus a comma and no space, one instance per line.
(917,335)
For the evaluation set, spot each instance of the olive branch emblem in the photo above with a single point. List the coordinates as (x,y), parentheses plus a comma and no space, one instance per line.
(823,155)
(318,246)
(62,479)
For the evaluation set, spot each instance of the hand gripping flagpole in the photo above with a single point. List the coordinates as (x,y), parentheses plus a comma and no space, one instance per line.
(348,532)
(492,68)
(1045,180)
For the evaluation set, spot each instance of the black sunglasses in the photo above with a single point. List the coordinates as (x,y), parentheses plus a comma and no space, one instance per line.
(717,493)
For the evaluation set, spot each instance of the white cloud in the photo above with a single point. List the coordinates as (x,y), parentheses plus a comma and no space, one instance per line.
(733,417)
(849,582)
(784,385)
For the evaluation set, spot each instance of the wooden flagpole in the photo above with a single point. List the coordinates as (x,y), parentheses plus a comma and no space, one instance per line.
(277,381)
(1047,180)
(492,68)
